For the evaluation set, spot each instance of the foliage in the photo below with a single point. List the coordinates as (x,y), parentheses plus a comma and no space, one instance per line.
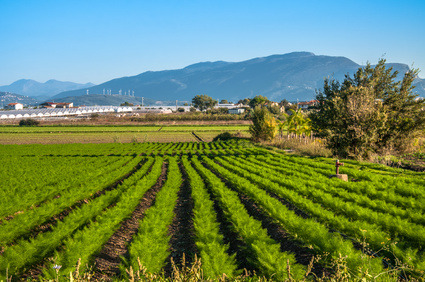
(126,104)
(369,113)
(263,124)
(245,101)
(224,101)
(223,137)
(203,102)
(258,101)
(28,122)
(353,227)
(298,123)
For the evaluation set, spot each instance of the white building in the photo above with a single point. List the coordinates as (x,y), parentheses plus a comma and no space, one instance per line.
(14,106)
(236,111)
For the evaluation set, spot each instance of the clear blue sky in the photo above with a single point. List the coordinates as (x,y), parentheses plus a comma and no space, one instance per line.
(98,40)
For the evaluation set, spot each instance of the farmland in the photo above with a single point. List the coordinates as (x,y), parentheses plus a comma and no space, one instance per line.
(115,206)
(109,134)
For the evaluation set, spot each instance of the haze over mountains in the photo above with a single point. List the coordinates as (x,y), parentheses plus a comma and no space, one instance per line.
(42,91)
(290,76)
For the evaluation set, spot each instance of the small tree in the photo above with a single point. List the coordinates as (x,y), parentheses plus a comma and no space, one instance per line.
(369,113)
(203,102)
(264,125)
(224,101)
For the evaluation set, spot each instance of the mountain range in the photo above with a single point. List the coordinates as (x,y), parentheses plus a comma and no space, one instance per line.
(42,91)
(289,76)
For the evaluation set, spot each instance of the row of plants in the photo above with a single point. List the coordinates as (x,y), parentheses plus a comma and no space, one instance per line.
(334,212)
(308,231)
(24,223)
(266,255)
(337,189)
(25,253)
(87,242)
(209,241)
(396,190)
(150,246)
(41,179)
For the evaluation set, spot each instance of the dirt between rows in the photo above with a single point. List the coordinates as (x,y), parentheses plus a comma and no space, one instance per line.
(108,260)
(181,231)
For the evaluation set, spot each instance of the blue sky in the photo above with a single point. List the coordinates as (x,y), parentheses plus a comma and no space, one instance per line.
(98,40)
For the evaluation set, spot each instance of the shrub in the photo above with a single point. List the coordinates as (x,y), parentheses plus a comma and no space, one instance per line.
(28,122)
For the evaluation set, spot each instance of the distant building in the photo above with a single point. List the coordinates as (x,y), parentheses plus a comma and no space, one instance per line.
(14,106)
(236,111)
(306,105)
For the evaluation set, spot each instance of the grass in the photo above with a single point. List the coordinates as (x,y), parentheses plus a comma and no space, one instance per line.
(304,147)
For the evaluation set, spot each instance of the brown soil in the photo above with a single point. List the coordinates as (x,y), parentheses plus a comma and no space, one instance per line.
(112,119)
(108,260)
(181,231)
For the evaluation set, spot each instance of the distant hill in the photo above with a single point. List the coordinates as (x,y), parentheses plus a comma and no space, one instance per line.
(291,76)
(42,91)
(105,100)
(7,97)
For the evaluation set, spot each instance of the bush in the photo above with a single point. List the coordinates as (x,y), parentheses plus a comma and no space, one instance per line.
(28,122)
(223,137)
(264,126)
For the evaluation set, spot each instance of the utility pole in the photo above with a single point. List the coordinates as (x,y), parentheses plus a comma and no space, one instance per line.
(142,101)
(176,105)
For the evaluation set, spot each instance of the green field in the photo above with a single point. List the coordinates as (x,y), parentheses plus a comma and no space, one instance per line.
(109,134)
(234,204)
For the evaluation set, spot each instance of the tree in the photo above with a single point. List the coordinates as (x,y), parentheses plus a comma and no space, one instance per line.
(224,101)
(258,101)
(126,104)
(369,113)
(244,101)
(264,125)
(203,102)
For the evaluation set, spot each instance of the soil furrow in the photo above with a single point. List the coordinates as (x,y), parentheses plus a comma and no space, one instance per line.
(231,237)
(108,260)
(182,241)
(197,137)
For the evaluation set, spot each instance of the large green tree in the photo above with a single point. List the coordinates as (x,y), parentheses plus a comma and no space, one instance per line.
(258,100)
(203,102)
(370,113)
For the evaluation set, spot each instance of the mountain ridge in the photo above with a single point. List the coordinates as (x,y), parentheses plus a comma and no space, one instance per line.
(290,76)
(41,91)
